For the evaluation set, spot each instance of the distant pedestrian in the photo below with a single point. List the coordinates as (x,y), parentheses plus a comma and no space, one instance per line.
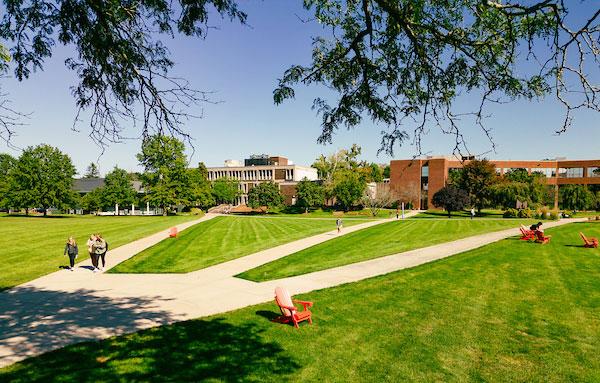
(100,248)
(472,212)
(92,251)
(72,251)
(397,214)
(338,223)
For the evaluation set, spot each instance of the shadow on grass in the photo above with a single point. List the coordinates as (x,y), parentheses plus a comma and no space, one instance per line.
(192,351)
(269,315)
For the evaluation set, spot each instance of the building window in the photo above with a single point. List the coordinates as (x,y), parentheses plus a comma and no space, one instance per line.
(546,172)
(570,172)
(425,171)
(594,172)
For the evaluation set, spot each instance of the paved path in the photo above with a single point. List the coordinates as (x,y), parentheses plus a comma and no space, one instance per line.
(68,307)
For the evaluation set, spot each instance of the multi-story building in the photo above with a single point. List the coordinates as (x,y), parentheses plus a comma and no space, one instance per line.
(417,180)
(263,168)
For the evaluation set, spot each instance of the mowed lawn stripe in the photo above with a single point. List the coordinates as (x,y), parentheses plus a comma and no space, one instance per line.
(511,311)
(222,239)
(33,246)
(381,240)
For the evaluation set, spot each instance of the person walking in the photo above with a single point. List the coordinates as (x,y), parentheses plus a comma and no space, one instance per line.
(472,212)
(72,251)
(101,247)
(92,251)
(338,223)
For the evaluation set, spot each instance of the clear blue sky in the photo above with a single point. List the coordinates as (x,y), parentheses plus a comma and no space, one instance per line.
(241,65)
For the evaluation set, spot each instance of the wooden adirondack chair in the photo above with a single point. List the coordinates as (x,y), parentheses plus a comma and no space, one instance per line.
(526,234)
(591,242)
(173,232)
(289,312)
(541,238)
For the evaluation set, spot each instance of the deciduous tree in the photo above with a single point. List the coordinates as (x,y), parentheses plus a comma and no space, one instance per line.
(118,189)
(349,188)
(42,178)
(225,190)
(309,194)
(265,194)
(575,197)
(476,178)
(451,199)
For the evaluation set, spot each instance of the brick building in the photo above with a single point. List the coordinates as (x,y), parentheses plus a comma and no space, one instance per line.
(416,181)
(263,168)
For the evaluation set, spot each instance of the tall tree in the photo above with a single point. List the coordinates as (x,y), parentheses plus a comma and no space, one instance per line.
(476,178)
(265,194)
(576,197)
(200,192)
(93,201)
(349,188)
(396,62)
(309,194)
(225,190)
(7,163)
(118,189)
(42,177)
(165,176)
(92,171)
(451,199)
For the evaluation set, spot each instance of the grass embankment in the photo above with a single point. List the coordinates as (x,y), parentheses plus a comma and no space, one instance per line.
(33,246)
(385,239)
(510,311)
(222,239)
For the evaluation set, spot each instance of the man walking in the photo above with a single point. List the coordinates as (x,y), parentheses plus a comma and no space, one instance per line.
(472,212)
(338,223)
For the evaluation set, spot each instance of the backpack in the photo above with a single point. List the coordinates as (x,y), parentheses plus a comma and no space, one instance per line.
(100,247)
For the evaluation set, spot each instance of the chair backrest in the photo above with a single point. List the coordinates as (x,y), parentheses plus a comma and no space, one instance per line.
(523,229)
(173,232)
(283,298)
(584,238)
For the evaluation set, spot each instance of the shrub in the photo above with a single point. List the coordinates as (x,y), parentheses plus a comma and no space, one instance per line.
(554,215)
(510,213)
(196,211)
(525,213)
(543,212)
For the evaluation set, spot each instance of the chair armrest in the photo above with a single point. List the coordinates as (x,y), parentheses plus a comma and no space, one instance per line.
(291,308)
(304,303)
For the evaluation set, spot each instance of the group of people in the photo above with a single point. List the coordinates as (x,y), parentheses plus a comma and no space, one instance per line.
(96,246)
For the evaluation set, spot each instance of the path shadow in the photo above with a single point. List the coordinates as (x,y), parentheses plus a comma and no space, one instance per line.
(33,320)
(193,351)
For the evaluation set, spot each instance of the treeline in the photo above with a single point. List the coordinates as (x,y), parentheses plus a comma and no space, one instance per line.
(42,177)
(477,184)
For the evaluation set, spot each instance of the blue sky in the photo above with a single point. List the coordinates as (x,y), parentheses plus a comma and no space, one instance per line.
(241,65)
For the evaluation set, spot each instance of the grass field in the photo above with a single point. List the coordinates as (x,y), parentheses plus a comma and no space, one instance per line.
(33,246)
(298,212)
(485,213)
(385,239)
(508,312)
(222,239)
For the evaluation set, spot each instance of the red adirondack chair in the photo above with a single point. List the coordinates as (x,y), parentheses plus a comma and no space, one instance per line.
(173,232)
(591,242)
(526,234)
(289,312)
(541,238)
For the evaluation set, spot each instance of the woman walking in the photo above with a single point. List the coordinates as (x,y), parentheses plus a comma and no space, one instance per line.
(90,247)
(72,251)
(101,247)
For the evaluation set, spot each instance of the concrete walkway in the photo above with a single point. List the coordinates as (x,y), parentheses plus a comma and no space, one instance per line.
(68,307)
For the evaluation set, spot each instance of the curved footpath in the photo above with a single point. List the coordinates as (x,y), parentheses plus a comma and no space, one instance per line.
(64,307)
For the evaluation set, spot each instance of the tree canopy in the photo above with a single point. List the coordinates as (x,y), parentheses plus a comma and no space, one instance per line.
(225,190)
(402,64)
(451,199)
(42,178)
(92,171)
(476,178)
(309,194)
(118,188)
(265,194)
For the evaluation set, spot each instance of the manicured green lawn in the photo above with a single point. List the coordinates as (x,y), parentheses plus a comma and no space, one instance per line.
(293,211)
(485,213)
(389,238)
(33,246)
(508,312)
(222,239)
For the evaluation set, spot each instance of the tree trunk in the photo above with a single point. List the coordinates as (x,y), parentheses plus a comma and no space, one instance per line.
(164,211)
(26,211)
(449,214)
(45,212)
